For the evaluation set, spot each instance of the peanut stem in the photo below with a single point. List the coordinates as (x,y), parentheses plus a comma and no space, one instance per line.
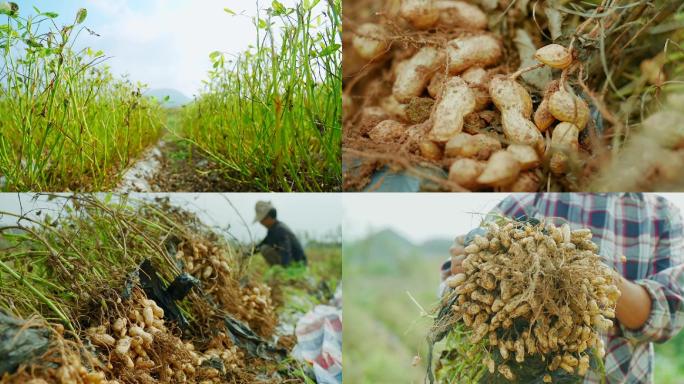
(520,71)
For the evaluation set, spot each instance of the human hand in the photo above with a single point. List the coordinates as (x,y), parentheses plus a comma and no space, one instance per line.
(633,307)
(457,252)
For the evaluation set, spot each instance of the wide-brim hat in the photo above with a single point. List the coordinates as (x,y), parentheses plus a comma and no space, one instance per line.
(261,209)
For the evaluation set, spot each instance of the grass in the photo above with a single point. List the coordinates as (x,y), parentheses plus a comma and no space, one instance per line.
(67,123)
(57,266)
(384,327)
(272,116)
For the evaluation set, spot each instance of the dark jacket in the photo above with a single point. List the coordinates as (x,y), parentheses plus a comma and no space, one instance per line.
(281,238)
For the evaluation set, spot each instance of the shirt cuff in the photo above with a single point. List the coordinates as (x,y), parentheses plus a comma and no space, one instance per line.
(653,328)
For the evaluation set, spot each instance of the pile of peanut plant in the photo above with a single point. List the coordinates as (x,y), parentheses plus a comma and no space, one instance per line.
(66,122)
(531,295)
(75,274)
(271,117)
(510,96)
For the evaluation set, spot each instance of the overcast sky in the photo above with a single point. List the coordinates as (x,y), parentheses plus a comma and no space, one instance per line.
(317,214)
(425,216)
(164,43)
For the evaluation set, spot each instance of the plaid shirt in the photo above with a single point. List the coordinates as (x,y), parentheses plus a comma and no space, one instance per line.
(647,230)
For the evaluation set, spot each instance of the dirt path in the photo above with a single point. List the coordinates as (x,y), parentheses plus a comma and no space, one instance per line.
(174,165)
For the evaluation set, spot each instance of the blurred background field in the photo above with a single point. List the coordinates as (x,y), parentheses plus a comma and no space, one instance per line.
(384,263)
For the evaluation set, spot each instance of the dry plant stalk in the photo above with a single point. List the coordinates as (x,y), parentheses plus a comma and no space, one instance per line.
(532,290)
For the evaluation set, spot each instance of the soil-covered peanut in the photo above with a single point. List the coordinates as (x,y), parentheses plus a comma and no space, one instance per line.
(394,108)
(479,146)
(430,150)
(459,14)
(413,74)
(543,118)
(465,173)
(388,131)
(526,156)
(527,181)
(564,144)
(370,41)
(554,55)
(457,100)
(502,169)
(568,107)
(478,80)
(520,130)
(508,94)
(468,51)
(421,14)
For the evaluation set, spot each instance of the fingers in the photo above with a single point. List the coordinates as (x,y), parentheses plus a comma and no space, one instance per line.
(458,247)
(457,264)
(457,252)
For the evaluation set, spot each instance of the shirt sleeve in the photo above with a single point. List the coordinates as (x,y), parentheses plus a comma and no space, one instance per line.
(514,206)
(664,285)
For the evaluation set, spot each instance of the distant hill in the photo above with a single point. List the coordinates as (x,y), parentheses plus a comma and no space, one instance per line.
(388,248)
(436,247)
(176,98)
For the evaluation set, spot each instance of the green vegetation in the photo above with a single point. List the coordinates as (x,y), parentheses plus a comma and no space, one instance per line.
(272,117)
(66,122)
(384,327)
(269,119)
(669,365)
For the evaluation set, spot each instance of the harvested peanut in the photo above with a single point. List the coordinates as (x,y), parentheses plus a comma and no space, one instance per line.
(413,74)
(520,130)
(102,339)
(370,41)
(502,169)
(392,107)
(388,131)
(509,94)
(476,75)
(526,182)
(543,118)
(457,100)
(526,156)
(430,150)
(567,107)
(422,14)
(465,172)
(469,51)
(564,142)
(515,105)
(554,55)
(478,79)
(480,146)
(502,272)
(436,84)
(459,14)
